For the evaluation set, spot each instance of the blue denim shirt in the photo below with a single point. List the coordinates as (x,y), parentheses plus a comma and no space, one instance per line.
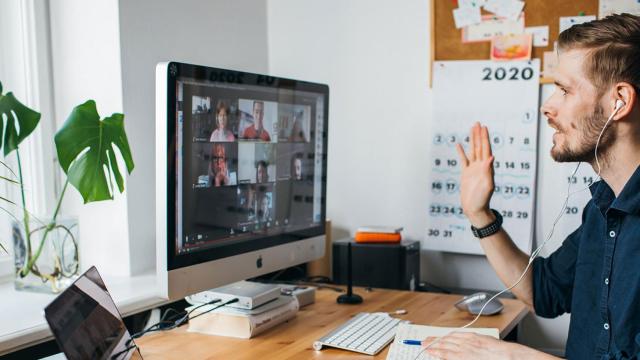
(595,276)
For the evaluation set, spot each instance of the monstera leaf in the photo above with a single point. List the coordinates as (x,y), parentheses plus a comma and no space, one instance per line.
(19,120)
(86,151)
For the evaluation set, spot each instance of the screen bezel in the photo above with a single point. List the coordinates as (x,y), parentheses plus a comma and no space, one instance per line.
(176,70)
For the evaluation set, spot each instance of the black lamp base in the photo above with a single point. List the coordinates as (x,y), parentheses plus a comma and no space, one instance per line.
(349,299)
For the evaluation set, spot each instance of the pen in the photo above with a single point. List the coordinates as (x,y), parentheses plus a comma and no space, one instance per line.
(412,342)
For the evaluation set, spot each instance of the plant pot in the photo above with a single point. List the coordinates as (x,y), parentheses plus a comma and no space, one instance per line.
(46,260)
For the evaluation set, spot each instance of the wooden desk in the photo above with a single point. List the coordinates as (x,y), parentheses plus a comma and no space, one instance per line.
(293,340)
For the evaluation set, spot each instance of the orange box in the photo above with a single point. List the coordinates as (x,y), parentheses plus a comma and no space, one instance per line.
(371,237)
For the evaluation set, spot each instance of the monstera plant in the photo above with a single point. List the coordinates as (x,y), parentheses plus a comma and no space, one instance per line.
(86,148)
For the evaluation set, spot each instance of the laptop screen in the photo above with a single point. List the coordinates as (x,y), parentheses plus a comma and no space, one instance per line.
(86,323)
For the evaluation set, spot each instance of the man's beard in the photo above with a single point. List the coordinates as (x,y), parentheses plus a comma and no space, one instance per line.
(589,128)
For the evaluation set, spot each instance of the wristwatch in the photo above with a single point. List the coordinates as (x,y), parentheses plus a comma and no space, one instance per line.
(490,229)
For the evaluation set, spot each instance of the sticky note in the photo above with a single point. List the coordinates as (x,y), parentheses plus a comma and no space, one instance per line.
(568,21)
(466,16)
(510,9)
(540,35)
(492,26)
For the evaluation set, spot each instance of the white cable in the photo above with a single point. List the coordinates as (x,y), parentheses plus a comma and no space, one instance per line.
(535,253)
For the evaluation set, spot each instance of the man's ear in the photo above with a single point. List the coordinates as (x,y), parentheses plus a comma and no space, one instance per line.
(628,95)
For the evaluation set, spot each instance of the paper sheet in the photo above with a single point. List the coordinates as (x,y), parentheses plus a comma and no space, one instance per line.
(490,27)
(400,351)
(540,35)
(466,16)
(608,7)
(568,21)
(509,9)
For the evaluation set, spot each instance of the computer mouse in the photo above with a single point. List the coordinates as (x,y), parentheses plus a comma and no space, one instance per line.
(474,303)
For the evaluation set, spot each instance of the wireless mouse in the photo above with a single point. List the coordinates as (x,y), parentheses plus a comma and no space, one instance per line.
(474,303)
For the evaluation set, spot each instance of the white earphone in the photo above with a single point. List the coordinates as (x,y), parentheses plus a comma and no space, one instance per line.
(619,104)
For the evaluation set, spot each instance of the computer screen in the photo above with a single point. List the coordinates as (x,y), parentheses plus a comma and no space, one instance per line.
(246,162)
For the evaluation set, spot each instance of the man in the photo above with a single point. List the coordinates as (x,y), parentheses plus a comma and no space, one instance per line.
(595,274)
(262,172)
(257,130)
(296,167)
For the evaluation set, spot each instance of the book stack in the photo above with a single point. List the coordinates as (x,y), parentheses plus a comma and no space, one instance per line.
(243,323)
(378,234)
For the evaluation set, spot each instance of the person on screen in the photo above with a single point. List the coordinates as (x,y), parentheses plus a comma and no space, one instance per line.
(257,130)
(594,275)
(222,133)
(262,172)
(297,130)
(218,167)
(249,204)
(296,167)
(264,211)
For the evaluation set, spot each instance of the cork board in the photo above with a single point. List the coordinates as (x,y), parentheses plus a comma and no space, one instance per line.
(447,40)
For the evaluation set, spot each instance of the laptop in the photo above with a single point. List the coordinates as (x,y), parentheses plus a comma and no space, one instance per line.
(86,323)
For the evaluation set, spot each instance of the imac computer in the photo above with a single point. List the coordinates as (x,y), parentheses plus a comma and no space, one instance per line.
(241,164)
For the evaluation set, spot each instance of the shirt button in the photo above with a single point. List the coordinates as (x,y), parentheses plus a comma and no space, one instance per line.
(606,326)
(606,281)
(612,233)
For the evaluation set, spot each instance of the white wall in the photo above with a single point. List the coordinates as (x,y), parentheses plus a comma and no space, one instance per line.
(228,34)
(375,55)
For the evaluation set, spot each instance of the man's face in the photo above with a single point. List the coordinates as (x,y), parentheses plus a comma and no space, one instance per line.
(258,114)
(575,112)
(297,166)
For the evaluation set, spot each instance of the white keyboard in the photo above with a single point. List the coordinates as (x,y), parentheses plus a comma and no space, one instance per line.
(366,333)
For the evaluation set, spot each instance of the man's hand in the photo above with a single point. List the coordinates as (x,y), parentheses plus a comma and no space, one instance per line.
(466,345)
(476,183)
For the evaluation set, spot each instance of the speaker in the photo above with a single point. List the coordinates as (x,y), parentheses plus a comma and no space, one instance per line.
(387,266)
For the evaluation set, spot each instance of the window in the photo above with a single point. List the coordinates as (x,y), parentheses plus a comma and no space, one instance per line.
(25,70)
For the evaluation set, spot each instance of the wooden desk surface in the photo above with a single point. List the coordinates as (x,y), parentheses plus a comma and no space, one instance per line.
(294,339)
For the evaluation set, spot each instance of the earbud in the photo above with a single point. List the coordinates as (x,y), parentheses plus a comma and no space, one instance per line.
(619,104)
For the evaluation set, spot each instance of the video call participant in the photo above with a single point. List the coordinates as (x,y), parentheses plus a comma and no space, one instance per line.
(262,172)
(264,211)
(296,167)
(257,130)
(297,131)
(222,133)
(218,167)
(594,275)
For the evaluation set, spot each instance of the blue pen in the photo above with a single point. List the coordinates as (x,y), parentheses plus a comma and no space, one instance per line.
(412,342)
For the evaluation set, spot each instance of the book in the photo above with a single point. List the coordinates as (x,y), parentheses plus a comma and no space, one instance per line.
(400,351)
(242,324)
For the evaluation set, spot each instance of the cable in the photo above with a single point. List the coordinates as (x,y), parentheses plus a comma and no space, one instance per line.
(168,323)
(535,253)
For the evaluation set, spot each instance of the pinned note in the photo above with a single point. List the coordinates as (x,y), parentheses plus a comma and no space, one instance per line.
(540,35)
(608,7)
(550,61)
(509,9)
(466,16)
(471,3)
(492,26)
(568,21)
(511,47)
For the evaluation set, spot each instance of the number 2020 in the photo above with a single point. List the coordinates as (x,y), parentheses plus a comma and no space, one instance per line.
(512,73)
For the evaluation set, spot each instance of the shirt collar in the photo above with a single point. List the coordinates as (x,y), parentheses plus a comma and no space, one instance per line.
(628,201)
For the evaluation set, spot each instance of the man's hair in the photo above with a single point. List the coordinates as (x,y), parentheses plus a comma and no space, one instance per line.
(613,46)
